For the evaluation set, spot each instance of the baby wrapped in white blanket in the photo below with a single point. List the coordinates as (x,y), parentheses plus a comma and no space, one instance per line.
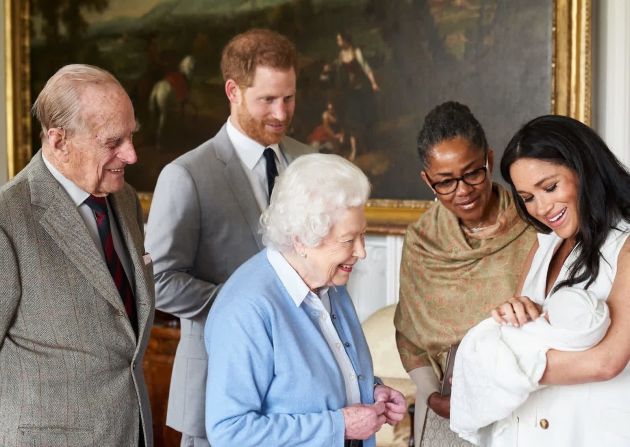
(497,367)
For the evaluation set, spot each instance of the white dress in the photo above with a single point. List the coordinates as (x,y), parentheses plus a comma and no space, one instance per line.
(590,414)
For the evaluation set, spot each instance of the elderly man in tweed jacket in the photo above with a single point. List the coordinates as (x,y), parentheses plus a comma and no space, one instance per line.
(76,289)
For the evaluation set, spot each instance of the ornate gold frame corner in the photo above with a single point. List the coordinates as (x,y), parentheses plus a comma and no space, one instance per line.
(18,92)
(571,95)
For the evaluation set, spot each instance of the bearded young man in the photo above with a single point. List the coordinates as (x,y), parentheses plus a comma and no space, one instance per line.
(204,216)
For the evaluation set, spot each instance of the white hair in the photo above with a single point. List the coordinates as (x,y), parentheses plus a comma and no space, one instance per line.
(306,198)
(59,102)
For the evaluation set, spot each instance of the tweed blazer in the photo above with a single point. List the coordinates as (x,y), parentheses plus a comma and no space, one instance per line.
(70,363)
(202,226)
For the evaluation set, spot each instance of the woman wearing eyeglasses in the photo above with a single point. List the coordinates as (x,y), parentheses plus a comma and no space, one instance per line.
(461,259)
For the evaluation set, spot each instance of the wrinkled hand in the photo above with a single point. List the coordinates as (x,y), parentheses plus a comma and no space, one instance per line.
(516,312)
(441,405)
(362,421)
(395,403)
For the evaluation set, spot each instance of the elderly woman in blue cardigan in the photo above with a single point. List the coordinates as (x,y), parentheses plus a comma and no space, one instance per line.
(288,362)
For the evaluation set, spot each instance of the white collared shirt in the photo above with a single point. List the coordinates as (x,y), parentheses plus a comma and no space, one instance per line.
(319,307)
(78,196)
(250,153)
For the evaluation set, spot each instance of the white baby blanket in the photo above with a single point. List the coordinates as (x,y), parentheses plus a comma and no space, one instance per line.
(497,367)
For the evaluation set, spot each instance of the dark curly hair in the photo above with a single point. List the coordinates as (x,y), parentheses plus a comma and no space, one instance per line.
(446,121)
(604,184)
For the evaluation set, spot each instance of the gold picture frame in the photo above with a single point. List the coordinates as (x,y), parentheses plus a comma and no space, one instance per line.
(571,95)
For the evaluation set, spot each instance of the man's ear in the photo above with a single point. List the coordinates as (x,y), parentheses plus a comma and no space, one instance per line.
(56,137)
(57,142)
(233,91)
(425,179)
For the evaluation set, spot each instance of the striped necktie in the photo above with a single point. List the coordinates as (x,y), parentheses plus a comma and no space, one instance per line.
(99,208)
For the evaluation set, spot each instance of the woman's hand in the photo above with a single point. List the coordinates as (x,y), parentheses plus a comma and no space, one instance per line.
(441,405)
(517,311)
(395,403)
(362,421)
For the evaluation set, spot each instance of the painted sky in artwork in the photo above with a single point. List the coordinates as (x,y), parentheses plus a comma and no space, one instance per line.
(123,8)
(137,8)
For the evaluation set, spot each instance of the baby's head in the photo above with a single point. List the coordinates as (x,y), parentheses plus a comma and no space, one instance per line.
(574,309)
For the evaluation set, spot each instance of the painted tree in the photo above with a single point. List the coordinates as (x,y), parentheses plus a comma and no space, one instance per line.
(63,19)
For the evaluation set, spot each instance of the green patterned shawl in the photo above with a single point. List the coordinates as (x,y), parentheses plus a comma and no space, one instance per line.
(449,283)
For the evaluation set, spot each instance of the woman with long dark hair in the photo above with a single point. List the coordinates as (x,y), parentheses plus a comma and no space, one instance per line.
(571,188)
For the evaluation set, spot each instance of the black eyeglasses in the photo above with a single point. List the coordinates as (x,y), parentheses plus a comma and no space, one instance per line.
(472,178)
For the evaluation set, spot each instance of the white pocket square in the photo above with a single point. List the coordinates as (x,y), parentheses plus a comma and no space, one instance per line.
(147,259)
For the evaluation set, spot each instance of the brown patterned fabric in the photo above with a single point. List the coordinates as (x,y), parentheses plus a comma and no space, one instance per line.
(449,282)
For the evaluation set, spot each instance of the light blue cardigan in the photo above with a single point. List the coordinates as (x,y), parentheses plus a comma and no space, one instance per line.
(272,379)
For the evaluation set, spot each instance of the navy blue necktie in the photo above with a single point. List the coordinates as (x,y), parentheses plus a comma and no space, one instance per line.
(272,170)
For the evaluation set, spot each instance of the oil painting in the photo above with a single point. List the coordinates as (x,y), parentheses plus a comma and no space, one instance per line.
(369,70)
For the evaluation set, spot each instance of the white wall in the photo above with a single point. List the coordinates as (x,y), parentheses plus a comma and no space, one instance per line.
(611,75)
(4,169)
(374,281)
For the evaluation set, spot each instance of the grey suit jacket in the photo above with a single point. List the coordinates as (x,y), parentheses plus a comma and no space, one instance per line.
(203,224)
(70,364)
